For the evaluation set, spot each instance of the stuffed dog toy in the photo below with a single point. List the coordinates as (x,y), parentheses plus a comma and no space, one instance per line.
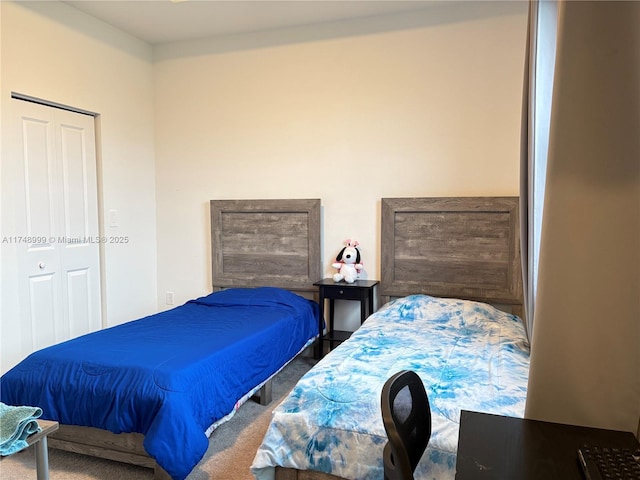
(348,263)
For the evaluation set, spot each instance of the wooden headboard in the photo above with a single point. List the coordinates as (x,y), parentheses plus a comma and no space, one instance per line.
(462,247)
(266,243)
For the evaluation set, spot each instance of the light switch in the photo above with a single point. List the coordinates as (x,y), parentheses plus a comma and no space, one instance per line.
(113,218)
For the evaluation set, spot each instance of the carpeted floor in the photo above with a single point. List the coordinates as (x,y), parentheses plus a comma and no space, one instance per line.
(231,447)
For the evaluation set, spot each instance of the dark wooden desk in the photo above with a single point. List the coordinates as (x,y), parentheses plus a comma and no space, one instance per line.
(361,290)
(505,448)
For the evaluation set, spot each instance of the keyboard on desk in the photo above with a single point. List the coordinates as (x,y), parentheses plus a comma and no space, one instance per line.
(604,463)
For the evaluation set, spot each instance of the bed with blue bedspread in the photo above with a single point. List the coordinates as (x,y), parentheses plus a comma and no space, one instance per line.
(468,354)
(150,392)
(169,376)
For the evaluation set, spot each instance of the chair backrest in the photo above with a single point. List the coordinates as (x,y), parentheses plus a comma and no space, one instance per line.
(406,415)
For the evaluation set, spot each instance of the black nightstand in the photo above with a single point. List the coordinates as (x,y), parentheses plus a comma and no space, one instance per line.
(361,290)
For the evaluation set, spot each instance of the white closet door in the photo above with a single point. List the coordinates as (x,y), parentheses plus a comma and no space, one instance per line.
(59,256)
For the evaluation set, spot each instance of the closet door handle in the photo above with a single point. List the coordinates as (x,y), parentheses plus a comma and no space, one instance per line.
(41,265)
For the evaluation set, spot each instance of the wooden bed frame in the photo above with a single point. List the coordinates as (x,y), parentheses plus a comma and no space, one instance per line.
(458,247)
(266,242)
(253,243)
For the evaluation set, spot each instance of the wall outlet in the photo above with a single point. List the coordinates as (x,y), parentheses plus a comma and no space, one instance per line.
(169,298)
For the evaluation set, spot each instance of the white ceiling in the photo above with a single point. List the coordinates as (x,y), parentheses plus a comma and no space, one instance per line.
(162,21)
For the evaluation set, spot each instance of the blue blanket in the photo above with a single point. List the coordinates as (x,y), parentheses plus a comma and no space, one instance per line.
(469,356)
(171,375)
(16,424)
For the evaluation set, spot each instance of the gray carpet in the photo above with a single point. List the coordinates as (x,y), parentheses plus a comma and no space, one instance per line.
(231,447)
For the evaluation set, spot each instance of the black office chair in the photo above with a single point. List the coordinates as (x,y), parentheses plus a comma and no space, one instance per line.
(406,415)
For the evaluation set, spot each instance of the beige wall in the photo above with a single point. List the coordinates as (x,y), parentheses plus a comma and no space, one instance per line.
(54,52)
(426,104)
(405,105)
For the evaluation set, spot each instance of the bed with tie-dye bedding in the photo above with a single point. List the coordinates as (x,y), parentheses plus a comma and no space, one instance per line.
(469,355)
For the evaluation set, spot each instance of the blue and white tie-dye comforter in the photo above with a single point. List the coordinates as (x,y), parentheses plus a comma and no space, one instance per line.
(469,355)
